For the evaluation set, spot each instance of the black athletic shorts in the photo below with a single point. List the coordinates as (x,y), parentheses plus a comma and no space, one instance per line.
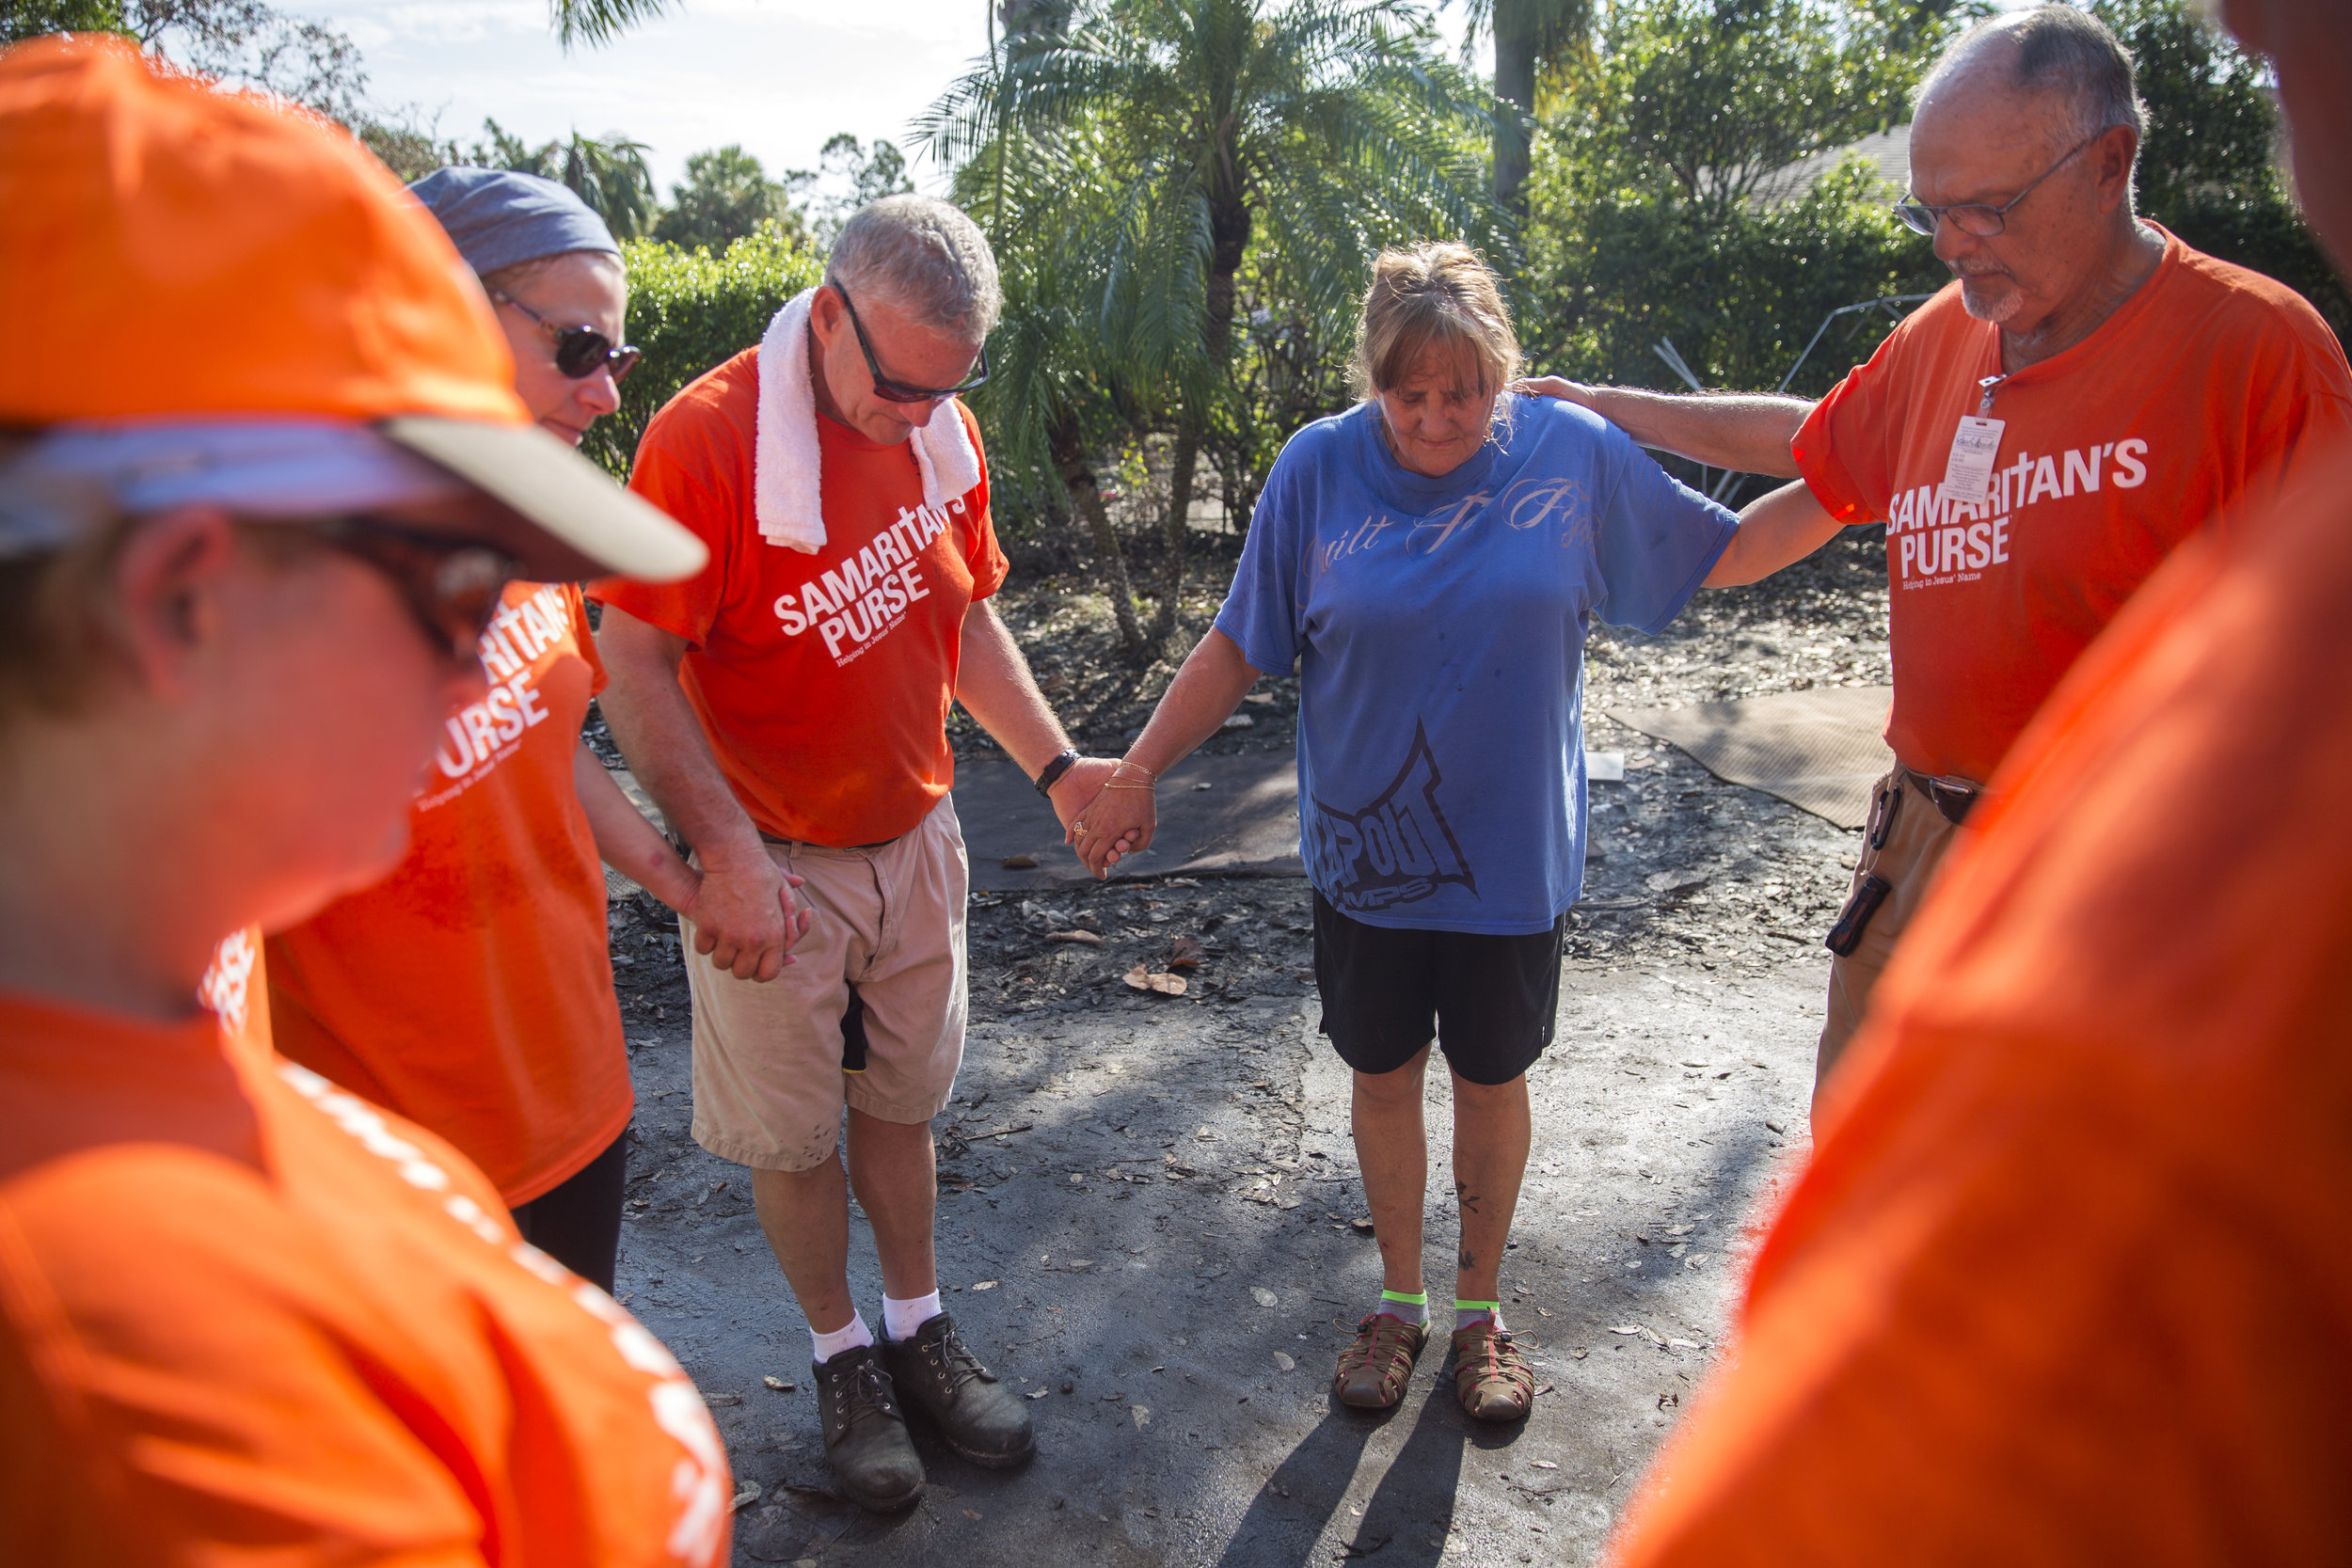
(1490,1001)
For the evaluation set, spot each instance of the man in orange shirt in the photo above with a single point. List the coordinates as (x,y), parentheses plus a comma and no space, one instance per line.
(2036,438)
(786,708)
(2066,1283)
(246,1318)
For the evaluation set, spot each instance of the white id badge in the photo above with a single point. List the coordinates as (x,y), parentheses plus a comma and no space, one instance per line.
(1976,450)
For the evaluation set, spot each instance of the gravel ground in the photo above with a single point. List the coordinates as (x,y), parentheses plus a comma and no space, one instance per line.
(1149,1203)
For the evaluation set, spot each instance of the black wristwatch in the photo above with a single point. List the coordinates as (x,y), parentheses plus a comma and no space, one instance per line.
(1051,774)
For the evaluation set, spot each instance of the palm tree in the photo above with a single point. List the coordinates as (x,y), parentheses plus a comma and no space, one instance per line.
(1312,130)
(1059,389)
(1527,34)
(599,21)
(610,176)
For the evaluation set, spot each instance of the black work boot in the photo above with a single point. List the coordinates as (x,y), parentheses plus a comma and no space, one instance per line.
(865,1437)
(980,1417)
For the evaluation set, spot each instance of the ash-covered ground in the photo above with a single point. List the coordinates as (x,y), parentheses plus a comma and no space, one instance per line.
(1150,1212)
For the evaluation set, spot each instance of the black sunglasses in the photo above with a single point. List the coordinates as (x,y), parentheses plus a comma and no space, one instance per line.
(1979,218)
(898,391)
(451,587)
(579,350)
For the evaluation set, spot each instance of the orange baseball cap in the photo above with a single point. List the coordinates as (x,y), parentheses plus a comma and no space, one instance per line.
(172,251)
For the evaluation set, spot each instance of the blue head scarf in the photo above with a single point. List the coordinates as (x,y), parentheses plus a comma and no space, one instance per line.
(498,219)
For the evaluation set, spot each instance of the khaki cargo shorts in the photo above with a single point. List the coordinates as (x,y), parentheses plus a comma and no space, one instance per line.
(883,966)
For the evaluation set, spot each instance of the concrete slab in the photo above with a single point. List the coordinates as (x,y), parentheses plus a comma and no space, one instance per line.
(1223,815)
(1819,749)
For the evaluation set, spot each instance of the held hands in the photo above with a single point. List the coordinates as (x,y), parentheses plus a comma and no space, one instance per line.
(1119,821)
(1079,783)
(744,917)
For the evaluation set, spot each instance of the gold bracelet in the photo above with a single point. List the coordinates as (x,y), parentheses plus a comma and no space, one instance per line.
(1138,767)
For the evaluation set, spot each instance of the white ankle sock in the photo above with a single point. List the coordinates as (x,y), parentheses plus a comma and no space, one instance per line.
(848,1337)
(1404,1309)
(1469,1312)
(901,1319)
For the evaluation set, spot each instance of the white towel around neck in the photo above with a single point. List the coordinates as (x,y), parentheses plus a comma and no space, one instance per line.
(784,463)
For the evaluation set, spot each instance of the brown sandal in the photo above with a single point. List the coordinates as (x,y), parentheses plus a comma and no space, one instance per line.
(1378,1362)
(1490,1376)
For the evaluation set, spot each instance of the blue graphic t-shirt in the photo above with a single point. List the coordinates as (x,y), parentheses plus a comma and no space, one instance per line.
(1441,623)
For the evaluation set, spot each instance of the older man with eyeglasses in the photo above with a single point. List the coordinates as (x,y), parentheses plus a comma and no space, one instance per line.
(786,710)
(2036,438)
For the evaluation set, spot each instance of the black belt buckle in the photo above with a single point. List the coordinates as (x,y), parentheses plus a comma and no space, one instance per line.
(1954,797)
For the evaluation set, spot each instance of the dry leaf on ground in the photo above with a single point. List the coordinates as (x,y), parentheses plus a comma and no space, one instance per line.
(1166,984)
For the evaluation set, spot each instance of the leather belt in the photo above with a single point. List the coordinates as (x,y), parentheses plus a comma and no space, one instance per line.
(804,843)
(1953,795)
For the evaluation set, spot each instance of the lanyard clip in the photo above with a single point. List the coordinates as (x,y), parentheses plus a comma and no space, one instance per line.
(1986,385)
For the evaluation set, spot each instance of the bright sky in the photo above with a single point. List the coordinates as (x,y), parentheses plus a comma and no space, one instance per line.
(779,77)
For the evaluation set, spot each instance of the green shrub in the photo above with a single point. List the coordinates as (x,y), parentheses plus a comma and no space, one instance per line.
(1738,293)
(689,311)
(2209,169)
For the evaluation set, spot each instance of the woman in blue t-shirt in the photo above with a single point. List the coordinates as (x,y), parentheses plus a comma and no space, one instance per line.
(1430,559)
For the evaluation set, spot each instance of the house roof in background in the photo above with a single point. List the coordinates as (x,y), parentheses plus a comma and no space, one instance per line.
(1888,152)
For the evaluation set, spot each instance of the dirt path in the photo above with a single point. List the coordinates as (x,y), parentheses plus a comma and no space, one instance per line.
(1147,1201)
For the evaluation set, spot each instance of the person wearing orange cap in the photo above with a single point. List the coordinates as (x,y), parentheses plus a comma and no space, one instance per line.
(471,990)
(245,1316)
(2066,1282)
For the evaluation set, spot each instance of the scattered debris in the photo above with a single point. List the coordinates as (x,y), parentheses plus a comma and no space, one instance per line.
(1020,863)
(1084,939)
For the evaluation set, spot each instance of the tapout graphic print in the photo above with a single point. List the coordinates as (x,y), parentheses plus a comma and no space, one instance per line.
(1396,850)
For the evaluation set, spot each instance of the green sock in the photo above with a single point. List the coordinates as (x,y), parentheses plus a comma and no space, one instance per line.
(1469,1312)
(1405,1308)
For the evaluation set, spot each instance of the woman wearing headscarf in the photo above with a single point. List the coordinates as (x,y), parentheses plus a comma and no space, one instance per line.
(1429,561)
(472,990)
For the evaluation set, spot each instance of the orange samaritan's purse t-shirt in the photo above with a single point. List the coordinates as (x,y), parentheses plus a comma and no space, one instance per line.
(245,1317)
(2066,1283)
(822,681)
(2197,393)
(471,990)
